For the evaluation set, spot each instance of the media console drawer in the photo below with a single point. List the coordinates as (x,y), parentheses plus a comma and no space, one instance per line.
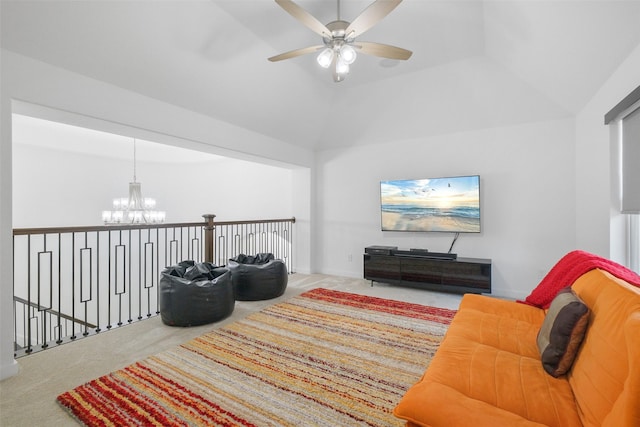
(461,275)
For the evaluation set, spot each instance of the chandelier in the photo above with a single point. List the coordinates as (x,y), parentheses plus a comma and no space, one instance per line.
(135,209)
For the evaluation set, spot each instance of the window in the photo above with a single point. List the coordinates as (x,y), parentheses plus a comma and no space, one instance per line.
(634,242)
(631,162)
(627,115)
(630,190)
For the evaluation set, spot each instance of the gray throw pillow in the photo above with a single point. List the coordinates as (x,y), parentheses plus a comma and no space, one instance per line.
(562,332)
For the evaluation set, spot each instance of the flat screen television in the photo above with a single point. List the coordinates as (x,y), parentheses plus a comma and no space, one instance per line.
(450,204)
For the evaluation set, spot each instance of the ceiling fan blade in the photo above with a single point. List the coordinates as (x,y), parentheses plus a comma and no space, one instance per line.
(305,17)
(383,50)
(370,17)
(296,52)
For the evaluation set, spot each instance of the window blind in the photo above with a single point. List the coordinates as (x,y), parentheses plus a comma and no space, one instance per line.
(631,162)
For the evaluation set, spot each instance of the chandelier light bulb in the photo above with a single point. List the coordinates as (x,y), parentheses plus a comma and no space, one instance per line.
(120,203)
(325,58)
(149,203)
(348,54)
(106,216)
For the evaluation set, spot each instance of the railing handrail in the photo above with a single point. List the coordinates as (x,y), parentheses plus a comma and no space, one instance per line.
(256,221)
(53,312)
(81,229)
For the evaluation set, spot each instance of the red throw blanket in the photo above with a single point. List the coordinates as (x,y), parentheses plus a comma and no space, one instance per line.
(568,269)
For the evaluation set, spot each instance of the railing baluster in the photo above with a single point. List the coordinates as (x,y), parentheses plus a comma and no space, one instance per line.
(180,245)
(41,297)
(97,267)
(109,280)
(29,347)
(202,248)
(85,280)
(140,285)
(124,277)
(130,276)
(159,267)
(73,284)
(59,340)
(98,281)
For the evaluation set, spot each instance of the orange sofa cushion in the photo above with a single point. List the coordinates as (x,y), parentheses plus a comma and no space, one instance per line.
(488,372)
(501,387)
(499,323)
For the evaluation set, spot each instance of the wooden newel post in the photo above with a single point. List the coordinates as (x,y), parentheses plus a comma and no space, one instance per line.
(208,237)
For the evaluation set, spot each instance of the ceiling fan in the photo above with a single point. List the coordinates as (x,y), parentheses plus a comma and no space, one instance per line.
(339,47)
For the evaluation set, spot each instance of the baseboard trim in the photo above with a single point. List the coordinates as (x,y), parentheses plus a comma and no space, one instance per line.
(9,370)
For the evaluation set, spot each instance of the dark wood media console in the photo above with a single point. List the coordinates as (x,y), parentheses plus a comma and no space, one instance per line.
(461,275)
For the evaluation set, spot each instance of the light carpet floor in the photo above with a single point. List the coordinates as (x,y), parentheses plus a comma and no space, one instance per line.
(28,399)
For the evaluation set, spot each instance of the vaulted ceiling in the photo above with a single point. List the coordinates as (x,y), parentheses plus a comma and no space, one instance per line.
(476,64)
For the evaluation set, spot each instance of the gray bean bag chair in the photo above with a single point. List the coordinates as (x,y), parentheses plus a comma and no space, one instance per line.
(193,294)
(257,277)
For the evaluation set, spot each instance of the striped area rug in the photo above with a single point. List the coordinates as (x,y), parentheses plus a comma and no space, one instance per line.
(324,358)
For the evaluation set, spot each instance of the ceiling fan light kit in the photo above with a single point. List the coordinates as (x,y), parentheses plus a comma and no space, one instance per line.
(348,54)
(339,49)
(342,68)
(325,58)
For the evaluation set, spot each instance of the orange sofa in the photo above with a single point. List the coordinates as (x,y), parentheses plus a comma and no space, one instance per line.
(488,370)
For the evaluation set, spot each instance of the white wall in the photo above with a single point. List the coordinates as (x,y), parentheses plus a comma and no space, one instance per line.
(87,102)
(59,188)
(304,208)
(8,366)
(599,226)
(527,187)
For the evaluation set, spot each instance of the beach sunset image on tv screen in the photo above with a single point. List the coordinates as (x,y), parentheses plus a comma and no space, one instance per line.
(434,204)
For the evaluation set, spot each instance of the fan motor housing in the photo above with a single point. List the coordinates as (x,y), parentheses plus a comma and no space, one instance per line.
(338,30)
